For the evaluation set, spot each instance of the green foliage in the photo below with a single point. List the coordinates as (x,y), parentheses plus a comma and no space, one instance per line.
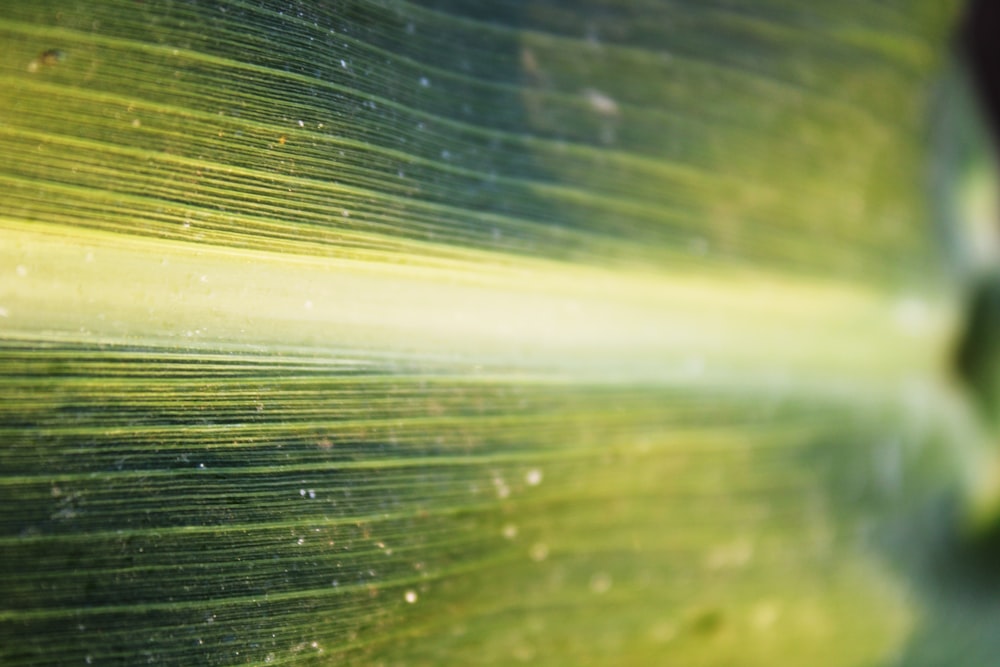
(480,333)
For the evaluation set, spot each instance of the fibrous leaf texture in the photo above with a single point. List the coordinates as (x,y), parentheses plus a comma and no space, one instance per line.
(605,332)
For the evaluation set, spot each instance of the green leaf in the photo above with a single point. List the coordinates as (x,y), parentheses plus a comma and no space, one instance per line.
(482,333)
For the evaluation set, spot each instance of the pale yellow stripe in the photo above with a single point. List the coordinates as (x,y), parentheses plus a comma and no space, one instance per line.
(523,313)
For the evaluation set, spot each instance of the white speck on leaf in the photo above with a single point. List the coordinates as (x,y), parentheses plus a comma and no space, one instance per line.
(601,103)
